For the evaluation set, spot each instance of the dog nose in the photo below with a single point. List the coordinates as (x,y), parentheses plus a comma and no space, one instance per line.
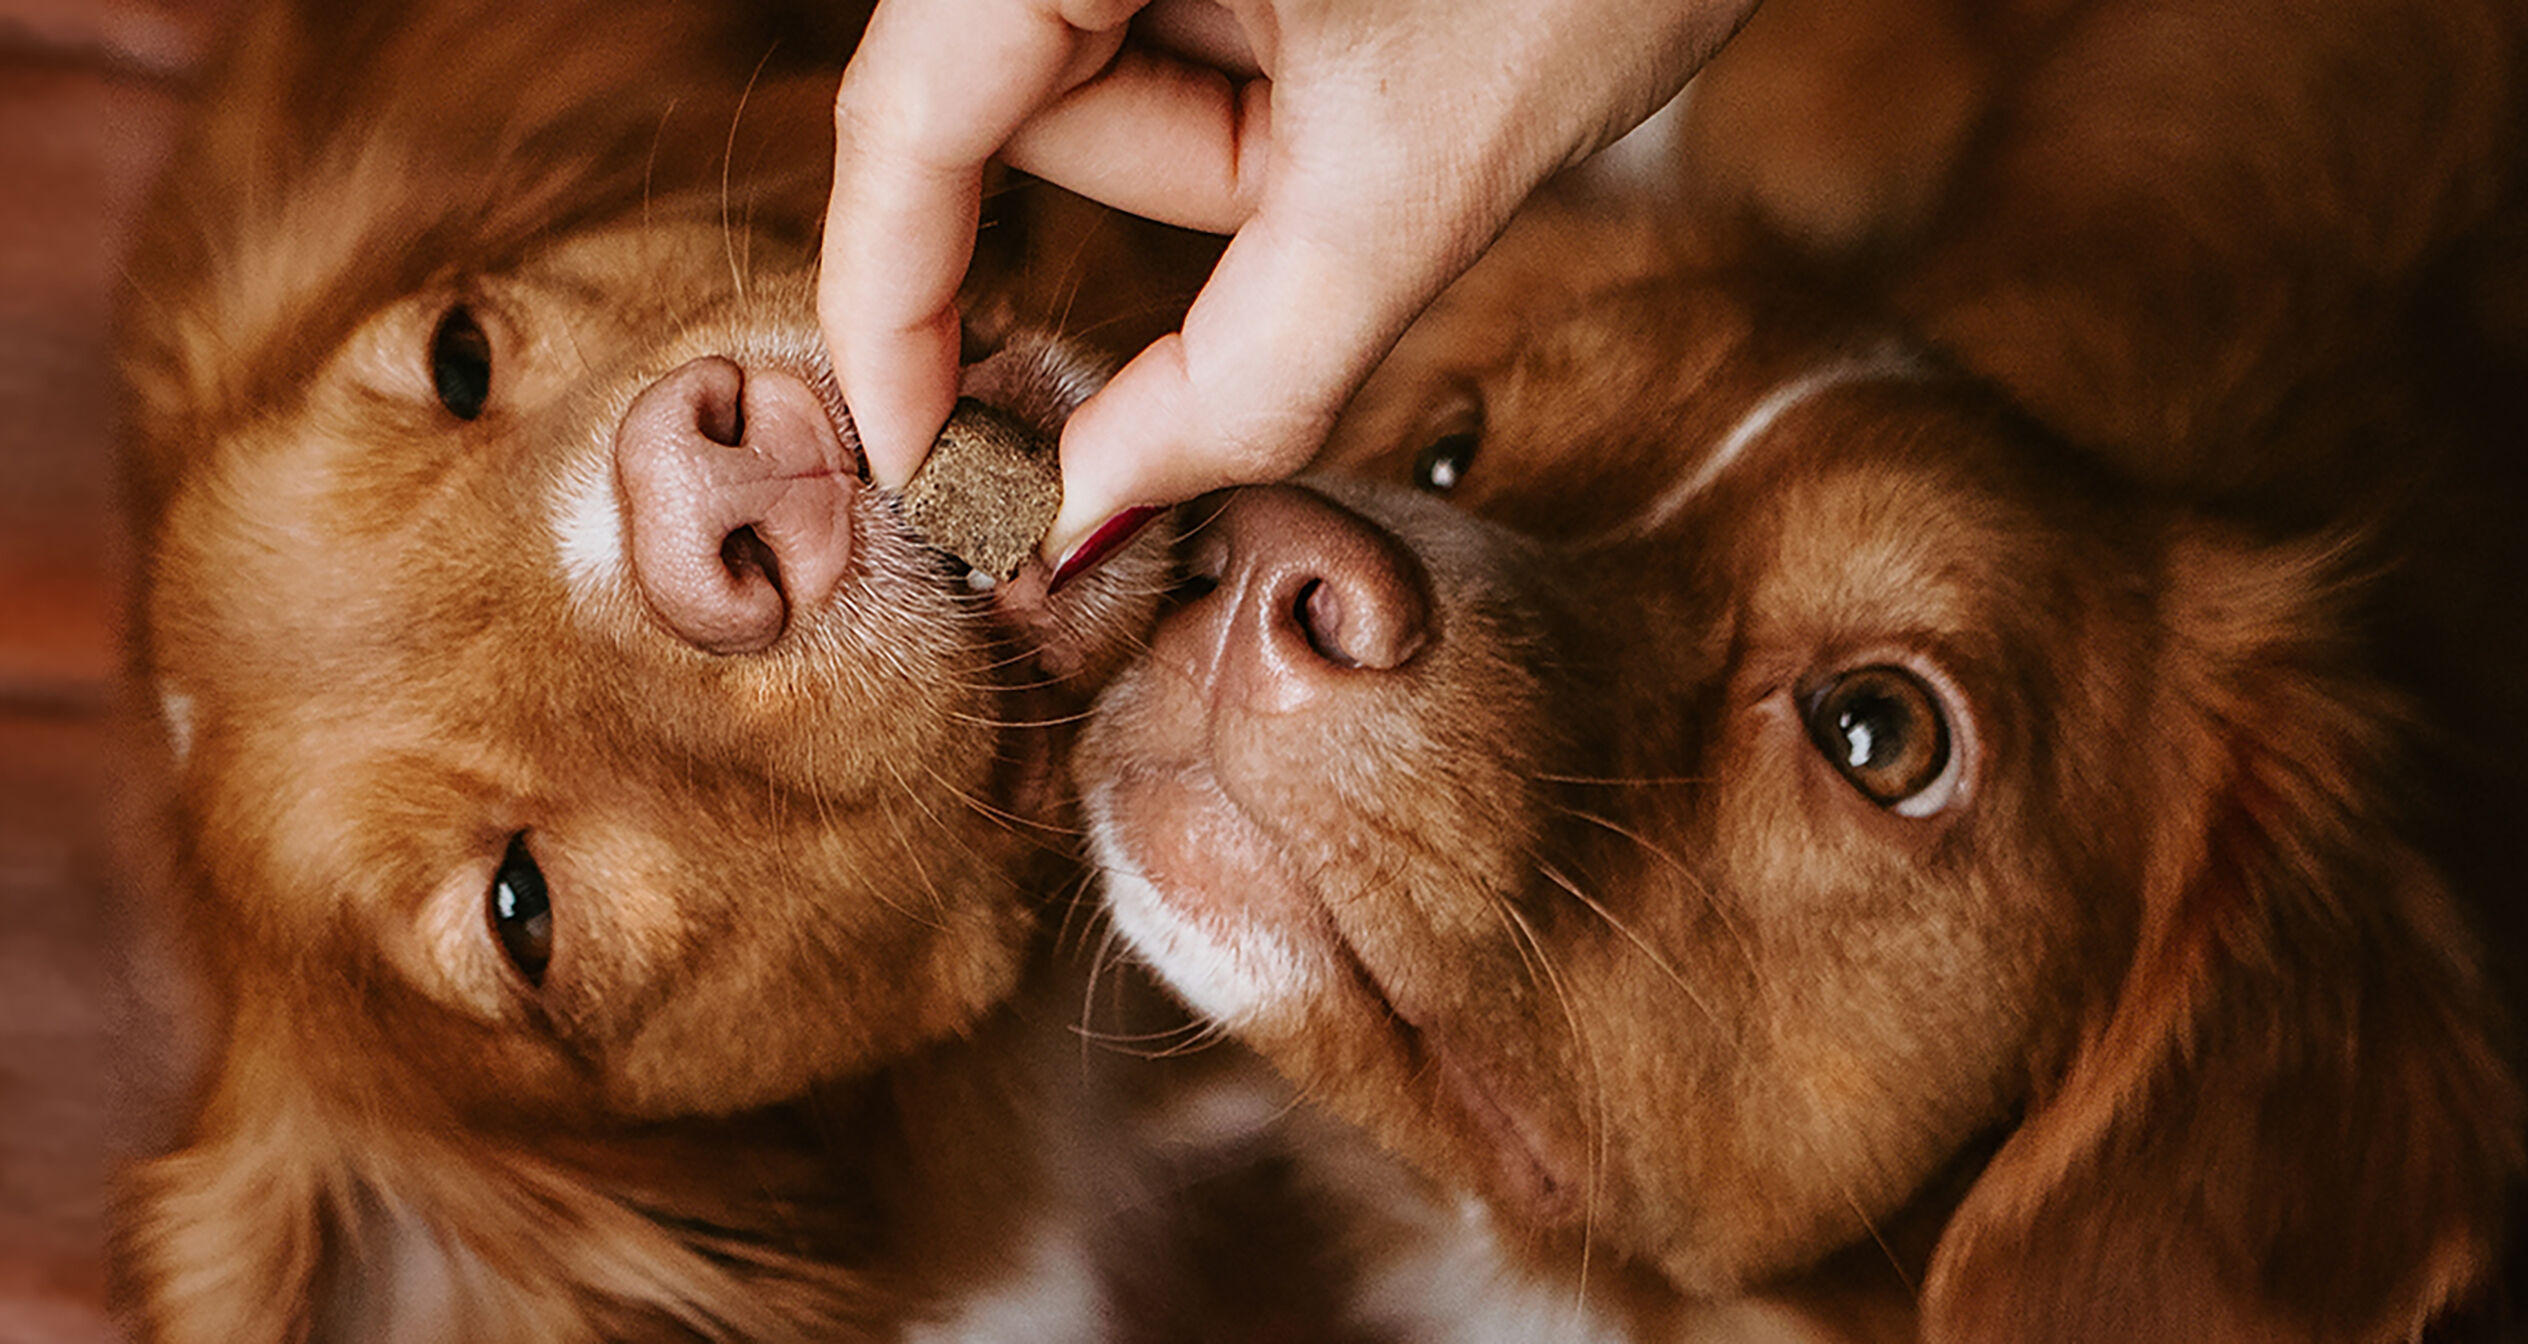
(736,492)
(1314,591)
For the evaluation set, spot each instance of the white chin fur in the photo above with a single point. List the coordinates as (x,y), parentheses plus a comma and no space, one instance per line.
(1236,976)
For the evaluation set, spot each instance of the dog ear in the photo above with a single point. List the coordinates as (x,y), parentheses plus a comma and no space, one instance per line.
(229,1238)
(289,1218)
(2291,1120)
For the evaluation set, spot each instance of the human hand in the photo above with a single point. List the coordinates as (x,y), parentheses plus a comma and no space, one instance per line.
(1362,153)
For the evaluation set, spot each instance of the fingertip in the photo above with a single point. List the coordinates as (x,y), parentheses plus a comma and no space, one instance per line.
(1109,444)
(1079,518)
(1152,438)
(898,399)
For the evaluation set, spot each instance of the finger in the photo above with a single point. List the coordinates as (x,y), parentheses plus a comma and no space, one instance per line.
(1249,389)
(1157,137)
(935,88)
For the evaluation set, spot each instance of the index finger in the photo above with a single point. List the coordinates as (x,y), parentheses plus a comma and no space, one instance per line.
(936,87)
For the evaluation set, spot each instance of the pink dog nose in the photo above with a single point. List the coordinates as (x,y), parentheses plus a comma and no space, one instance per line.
(737,491)
(1313,592)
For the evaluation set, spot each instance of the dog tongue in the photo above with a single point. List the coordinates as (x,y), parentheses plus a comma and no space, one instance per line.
(989,491)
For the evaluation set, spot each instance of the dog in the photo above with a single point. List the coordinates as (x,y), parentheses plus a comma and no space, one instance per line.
(1876,796)
(610,843)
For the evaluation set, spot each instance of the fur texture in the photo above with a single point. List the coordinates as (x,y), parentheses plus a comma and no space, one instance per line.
(1957,843)
(423,281)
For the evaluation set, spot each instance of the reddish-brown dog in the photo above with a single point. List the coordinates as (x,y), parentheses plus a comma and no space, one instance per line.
(608,836)
(1764,806)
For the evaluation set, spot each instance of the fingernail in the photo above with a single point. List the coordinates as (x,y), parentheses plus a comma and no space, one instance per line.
(1109,536)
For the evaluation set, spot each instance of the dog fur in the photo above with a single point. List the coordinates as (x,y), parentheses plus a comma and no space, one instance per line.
(1501,823)
(787,1072)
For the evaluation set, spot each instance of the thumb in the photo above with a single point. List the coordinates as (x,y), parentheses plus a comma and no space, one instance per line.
(1279,339)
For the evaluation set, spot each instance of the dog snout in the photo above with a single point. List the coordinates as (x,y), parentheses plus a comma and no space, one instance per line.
(736,491)
(1313,592)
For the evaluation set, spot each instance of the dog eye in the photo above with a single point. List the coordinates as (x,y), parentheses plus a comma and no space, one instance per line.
(1884,730)
(461,363)
(522,912)
(1444,461)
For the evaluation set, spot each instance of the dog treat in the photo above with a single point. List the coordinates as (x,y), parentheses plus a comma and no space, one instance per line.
(989,492)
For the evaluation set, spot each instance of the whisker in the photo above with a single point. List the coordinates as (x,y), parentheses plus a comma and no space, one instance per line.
(913,852)
(1601,1130)
(735,242)
(1651,954)
(1640,944)
(1195,1036)
(1011,822)
(1702,889)
(1082,913)
(1913,1291)
(1074,274)
(1620,781)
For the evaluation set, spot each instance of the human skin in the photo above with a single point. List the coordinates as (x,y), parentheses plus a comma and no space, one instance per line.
(1359,153)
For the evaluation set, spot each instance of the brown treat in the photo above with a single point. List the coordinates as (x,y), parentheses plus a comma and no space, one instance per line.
(989,492)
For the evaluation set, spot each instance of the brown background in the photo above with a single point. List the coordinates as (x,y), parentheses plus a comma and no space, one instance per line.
(89,90)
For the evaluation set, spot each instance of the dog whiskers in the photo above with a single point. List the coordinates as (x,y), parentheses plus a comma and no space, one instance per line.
(1191,1037)
(1702,889)
(1593,1083)
(912,851)
(1620,781)
(1079,903)
(1640,944)
(737,243)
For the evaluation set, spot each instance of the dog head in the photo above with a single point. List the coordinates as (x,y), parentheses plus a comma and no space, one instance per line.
(1756,775)
(573,751)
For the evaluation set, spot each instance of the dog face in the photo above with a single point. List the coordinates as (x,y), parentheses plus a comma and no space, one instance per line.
(1767,775)
(575,756)
(1505,794)
(423,656)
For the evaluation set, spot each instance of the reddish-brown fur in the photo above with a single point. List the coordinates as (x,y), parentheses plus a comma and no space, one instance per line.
(2178,1022)
(772,1084)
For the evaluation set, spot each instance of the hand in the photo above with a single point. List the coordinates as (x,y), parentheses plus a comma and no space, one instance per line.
(1362,153)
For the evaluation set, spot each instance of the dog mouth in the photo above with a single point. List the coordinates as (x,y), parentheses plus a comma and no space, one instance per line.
(746,500)
(1222,906)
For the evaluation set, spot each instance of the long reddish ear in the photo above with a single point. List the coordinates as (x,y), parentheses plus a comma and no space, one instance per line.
(232,1236)
(288,1218)
(2291,1121)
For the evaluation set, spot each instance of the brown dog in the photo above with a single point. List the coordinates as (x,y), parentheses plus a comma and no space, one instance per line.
(1784,810)
(610,839)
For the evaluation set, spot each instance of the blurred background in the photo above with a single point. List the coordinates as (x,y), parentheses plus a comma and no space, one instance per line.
(89,90)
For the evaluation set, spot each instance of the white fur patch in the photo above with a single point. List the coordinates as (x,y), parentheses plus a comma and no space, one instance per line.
(1886,363)
(1053,1296)
(1454,1282)
(175,709)
(587,521)
(1231,976)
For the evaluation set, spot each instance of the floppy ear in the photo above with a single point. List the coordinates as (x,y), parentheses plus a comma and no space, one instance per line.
(2292,1121)
(230,1237)
(289,1218)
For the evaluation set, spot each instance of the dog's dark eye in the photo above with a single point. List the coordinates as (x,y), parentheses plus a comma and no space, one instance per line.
(1444,461)
(461,363)
(521,911)
(1883,728)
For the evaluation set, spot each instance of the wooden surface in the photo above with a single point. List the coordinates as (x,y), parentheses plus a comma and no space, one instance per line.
(88,94)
